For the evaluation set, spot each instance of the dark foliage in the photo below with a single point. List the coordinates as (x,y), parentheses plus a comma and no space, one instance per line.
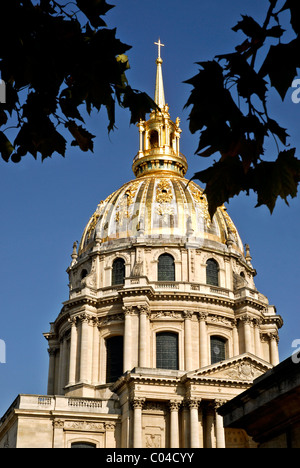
(57,60)
(229,107)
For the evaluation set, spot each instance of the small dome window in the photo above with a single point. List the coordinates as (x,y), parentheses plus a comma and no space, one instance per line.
(118,272)
(166,268)
(83,273)
(153,139)
(212,272)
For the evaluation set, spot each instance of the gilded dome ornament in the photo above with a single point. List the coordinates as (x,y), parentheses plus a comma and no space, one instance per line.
(160,201)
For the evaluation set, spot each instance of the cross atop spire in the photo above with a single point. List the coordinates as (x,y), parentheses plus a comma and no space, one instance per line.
(159,86)
(159,44)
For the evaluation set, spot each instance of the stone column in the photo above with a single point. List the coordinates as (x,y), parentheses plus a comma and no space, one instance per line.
(247,334)
(62,365)
(235,337)
(257,340)
(58,434)
(220,433)
(110,439)
(73,351)
(194,423)
(203,340)
(209,435)
(51,373)
(137,404)
(174,424)
(96,345)
(188,340)
(84,348)
(185,425)
(141,132)
(127,339)
(143,337)
(274,349)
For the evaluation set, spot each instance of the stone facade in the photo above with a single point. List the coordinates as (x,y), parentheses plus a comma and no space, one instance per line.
(224,332)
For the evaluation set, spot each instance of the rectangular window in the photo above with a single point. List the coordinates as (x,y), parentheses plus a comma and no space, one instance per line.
(167,351)
(114,358)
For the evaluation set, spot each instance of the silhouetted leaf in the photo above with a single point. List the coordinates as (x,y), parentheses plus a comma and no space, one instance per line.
(294,7)
(93,9)
(83,138)
(224,180)
(281,65)
(6,148)
(277,179)
(249,27)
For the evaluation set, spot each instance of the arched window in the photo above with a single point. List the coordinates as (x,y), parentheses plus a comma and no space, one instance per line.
(118,272)
(153,139)
(212,272)
(217,349)
(114,358)
(166,268)
(83,273)
(167,350)
(83,445)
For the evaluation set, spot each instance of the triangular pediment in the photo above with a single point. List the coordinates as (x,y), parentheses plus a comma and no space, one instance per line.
(243,368)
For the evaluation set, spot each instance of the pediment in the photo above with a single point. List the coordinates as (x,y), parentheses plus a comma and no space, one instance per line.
(244,368)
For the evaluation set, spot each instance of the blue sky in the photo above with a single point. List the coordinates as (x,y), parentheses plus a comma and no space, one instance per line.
(45,206)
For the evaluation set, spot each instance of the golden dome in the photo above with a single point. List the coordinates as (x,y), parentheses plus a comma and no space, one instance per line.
(160,203)
(160,207)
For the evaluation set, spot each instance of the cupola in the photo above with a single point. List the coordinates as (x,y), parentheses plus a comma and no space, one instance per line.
(159,149)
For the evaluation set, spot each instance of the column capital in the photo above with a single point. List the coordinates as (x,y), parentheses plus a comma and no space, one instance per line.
(85,318)
(110,426)
(144,310)
(257,322)
(193,402)
(203,316)
(218,403)
(187,314)
(73,321)
(128,310)
(273,337)
(247,319)
(138,403)
(174,405)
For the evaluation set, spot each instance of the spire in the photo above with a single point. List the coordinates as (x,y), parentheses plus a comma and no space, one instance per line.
(159,151)
(159,97)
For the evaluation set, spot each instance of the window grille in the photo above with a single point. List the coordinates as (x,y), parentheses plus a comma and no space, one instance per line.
(166,268)
(167,351)
(212,272)
(217,349)
(114,358)
(118,272)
